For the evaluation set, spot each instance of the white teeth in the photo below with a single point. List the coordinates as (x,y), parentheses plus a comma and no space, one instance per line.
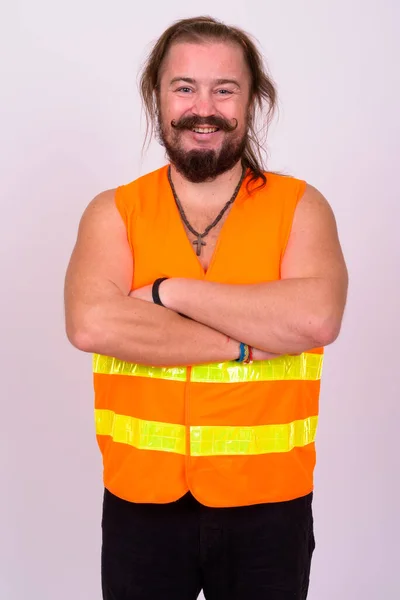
(205,129)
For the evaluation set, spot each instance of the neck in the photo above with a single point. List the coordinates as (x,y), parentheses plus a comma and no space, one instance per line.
(207,193)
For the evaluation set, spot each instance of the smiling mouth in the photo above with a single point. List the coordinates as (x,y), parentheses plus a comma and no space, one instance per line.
(205,129)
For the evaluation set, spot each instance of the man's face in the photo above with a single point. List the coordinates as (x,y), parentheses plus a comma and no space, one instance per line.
(203,107)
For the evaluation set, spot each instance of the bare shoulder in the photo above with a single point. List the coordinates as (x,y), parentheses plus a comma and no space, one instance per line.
(314,246)
(104,202)
(101,215)
(314,204)
(314,216)
(101,234)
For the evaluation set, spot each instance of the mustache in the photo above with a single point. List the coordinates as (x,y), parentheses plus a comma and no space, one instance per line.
(192,121)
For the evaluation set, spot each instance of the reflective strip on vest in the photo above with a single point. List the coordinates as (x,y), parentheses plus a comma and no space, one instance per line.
(263,439)
(307,366)
(207,440)
(145,435)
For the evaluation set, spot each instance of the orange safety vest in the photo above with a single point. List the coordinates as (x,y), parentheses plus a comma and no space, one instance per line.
(233,434)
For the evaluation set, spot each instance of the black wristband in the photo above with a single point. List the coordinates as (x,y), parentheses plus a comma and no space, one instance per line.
(156,295)
(155,292)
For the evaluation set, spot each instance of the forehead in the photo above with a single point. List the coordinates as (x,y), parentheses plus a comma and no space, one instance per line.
(207,60)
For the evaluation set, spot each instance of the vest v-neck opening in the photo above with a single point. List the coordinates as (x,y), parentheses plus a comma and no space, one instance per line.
(205,272)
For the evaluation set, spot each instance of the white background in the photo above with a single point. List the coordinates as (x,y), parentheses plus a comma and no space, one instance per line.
(70,128)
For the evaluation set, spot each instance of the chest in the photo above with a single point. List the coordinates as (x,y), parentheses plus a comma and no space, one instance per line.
(243,247)
(204,244)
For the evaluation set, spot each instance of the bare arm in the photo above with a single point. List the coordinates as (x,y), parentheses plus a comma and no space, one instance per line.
(102,318)
(301,311)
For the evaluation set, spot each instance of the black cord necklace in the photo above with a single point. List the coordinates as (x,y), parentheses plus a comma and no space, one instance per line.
(199,242)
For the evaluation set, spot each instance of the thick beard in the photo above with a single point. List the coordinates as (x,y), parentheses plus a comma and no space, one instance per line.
(198,166)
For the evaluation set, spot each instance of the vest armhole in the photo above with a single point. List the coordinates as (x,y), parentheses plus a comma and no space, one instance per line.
(291,206)
(125,203)
(120,203)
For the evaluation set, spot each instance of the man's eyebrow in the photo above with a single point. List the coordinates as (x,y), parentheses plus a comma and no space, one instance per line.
(185,79)
(217,81)
(224,81)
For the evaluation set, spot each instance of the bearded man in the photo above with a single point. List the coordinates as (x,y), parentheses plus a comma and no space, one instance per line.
(207,291)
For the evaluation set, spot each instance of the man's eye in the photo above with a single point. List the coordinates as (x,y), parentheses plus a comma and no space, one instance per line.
(184,89)
(224,92)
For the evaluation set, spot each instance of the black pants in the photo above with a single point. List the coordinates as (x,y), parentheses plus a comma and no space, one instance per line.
(173,551)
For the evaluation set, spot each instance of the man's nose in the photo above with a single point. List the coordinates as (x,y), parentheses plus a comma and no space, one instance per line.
(204,104)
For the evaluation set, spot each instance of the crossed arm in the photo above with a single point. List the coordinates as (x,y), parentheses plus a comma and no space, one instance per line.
(301,311)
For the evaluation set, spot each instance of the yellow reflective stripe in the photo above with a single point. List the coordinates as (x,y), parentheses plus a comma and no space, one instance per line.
(307,366)
(205,440)
(304,367)
(145,435)
(112,366)
(263,439)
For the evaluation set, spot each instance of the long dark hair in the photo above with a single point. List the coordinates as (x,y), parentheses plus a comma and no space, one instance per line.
(263,95)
